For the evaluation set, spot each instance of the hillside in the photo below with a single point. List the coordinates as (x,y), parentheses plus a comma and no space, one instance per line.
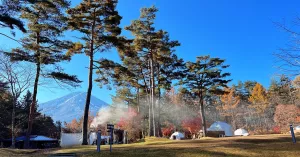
(71,106)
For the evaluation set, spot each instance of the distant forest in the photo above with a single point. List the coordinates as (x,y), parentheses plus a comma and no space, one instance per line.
(163,93)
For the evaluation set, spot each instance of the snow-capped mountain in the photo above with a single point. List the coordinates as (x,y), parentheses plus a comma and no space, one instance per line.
(71,106)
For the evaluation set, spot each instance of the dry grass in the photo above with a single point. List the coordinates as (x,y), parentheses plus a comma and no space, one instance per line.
(266,145)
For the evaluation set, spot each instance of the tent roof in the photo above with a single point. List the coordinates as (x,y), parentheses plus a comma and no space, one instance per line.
(221,126)
(35,138)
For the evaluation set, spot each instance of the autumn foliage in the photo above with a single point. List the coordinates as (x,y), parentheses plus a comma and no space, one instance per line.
(168,129)
(75,126)
(286,115)
(131,123)
(259,99)
(193,125)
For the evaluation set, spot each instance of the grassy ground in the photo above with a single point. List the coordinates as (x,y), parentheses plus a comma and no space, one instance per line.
(266,145)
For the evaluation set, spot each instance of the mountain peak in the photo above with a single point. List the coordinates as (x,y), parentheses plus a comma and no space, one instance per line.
(70,106)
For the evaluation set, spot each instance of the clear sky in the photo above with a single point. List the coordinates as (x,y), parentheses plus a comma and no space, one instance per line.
(242,32)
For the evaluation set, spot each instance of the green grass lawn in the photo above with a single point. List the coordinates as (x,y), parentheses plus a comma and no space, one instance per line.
(266,145)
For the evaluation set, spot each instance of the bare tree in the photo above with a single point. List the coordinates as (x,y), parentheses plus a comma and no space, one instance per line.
(289,56)
(19,77)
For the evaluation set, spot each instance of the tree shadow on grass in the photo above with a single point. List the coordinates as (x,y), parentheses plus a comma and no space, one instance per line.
(148,152)
(277,146)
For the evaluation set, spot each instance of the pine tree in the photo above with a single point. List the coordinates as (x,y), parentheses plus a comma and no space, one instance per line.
(244,89)
(125,96)
(43,47)
(9,10)
(151,45)
(5,110)
(145,42)
(135,70)
(168,68)
(205,76)
(98,22)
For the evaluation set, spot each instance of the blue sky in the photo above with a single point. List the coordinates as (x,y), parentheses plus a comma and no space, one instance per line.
(242,32)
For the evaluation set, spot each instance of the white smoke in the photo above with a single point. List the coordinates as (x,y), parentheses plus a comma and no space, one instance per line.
(110,114)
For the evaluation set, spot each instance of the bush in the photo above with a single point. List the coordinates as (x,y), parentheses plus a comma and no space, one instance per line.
(168,130)
(132,124)
(276,130)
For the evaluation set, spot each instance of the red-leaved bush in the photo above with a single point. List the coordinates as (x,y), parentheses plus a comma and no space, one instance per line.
(193,125)
(276,130)
(168,130)
(131,123)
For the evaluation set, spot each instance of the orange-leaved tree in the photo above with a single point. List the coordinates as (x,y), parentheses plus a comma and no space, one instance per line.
(76,126)
(230,101)
(259,99)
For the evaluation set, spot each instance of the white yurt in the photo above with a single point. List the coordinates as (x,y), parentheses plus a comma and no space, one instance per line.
(221,126)
(297,127)
(177,136)
(70,139)
(241,132)
(75,139)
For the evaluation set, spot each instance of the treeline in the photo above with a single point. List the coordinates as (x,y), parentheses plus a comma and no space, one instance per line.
(248,105)
(148,69)
(43,125)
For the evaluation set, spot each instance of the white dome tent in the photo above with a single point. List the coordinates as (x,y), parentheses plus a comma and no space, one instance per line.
(241,132)
(297,127)
(221,126)
(70,139)
(177,136)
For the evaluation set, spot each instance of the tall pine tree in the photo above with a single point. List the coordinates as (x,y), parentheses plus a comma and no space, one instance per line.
(148,65)
(43,46)
(9,11)
(98,22)
(205,76)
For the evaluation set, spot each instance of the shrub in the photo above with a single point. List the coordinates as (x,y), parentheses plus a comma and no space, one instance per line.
(168,129)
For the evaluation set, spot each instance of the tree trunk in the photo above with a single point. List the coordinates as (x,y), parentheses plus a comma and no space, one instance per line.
(202,113)
(152,93)
(87,103)
(159,96)
(32,107)
(150,132)
(89,90)
(233,119)
(13,141)
(35,89)
(138,100)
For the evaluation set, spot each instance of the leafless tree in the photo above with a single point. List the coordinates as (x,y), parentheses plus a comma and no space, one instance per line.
(19,78)
(289,56)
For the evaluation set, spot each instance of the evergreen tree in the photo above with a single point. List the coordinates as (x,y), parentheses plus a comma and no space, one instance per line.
(9,10)
(125,96)
(136,71)
(43,47)
(23,111)
(154,50)
(146,43)
(5,111)
(205,76)
(168,68)
(244,89)
(98,22)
